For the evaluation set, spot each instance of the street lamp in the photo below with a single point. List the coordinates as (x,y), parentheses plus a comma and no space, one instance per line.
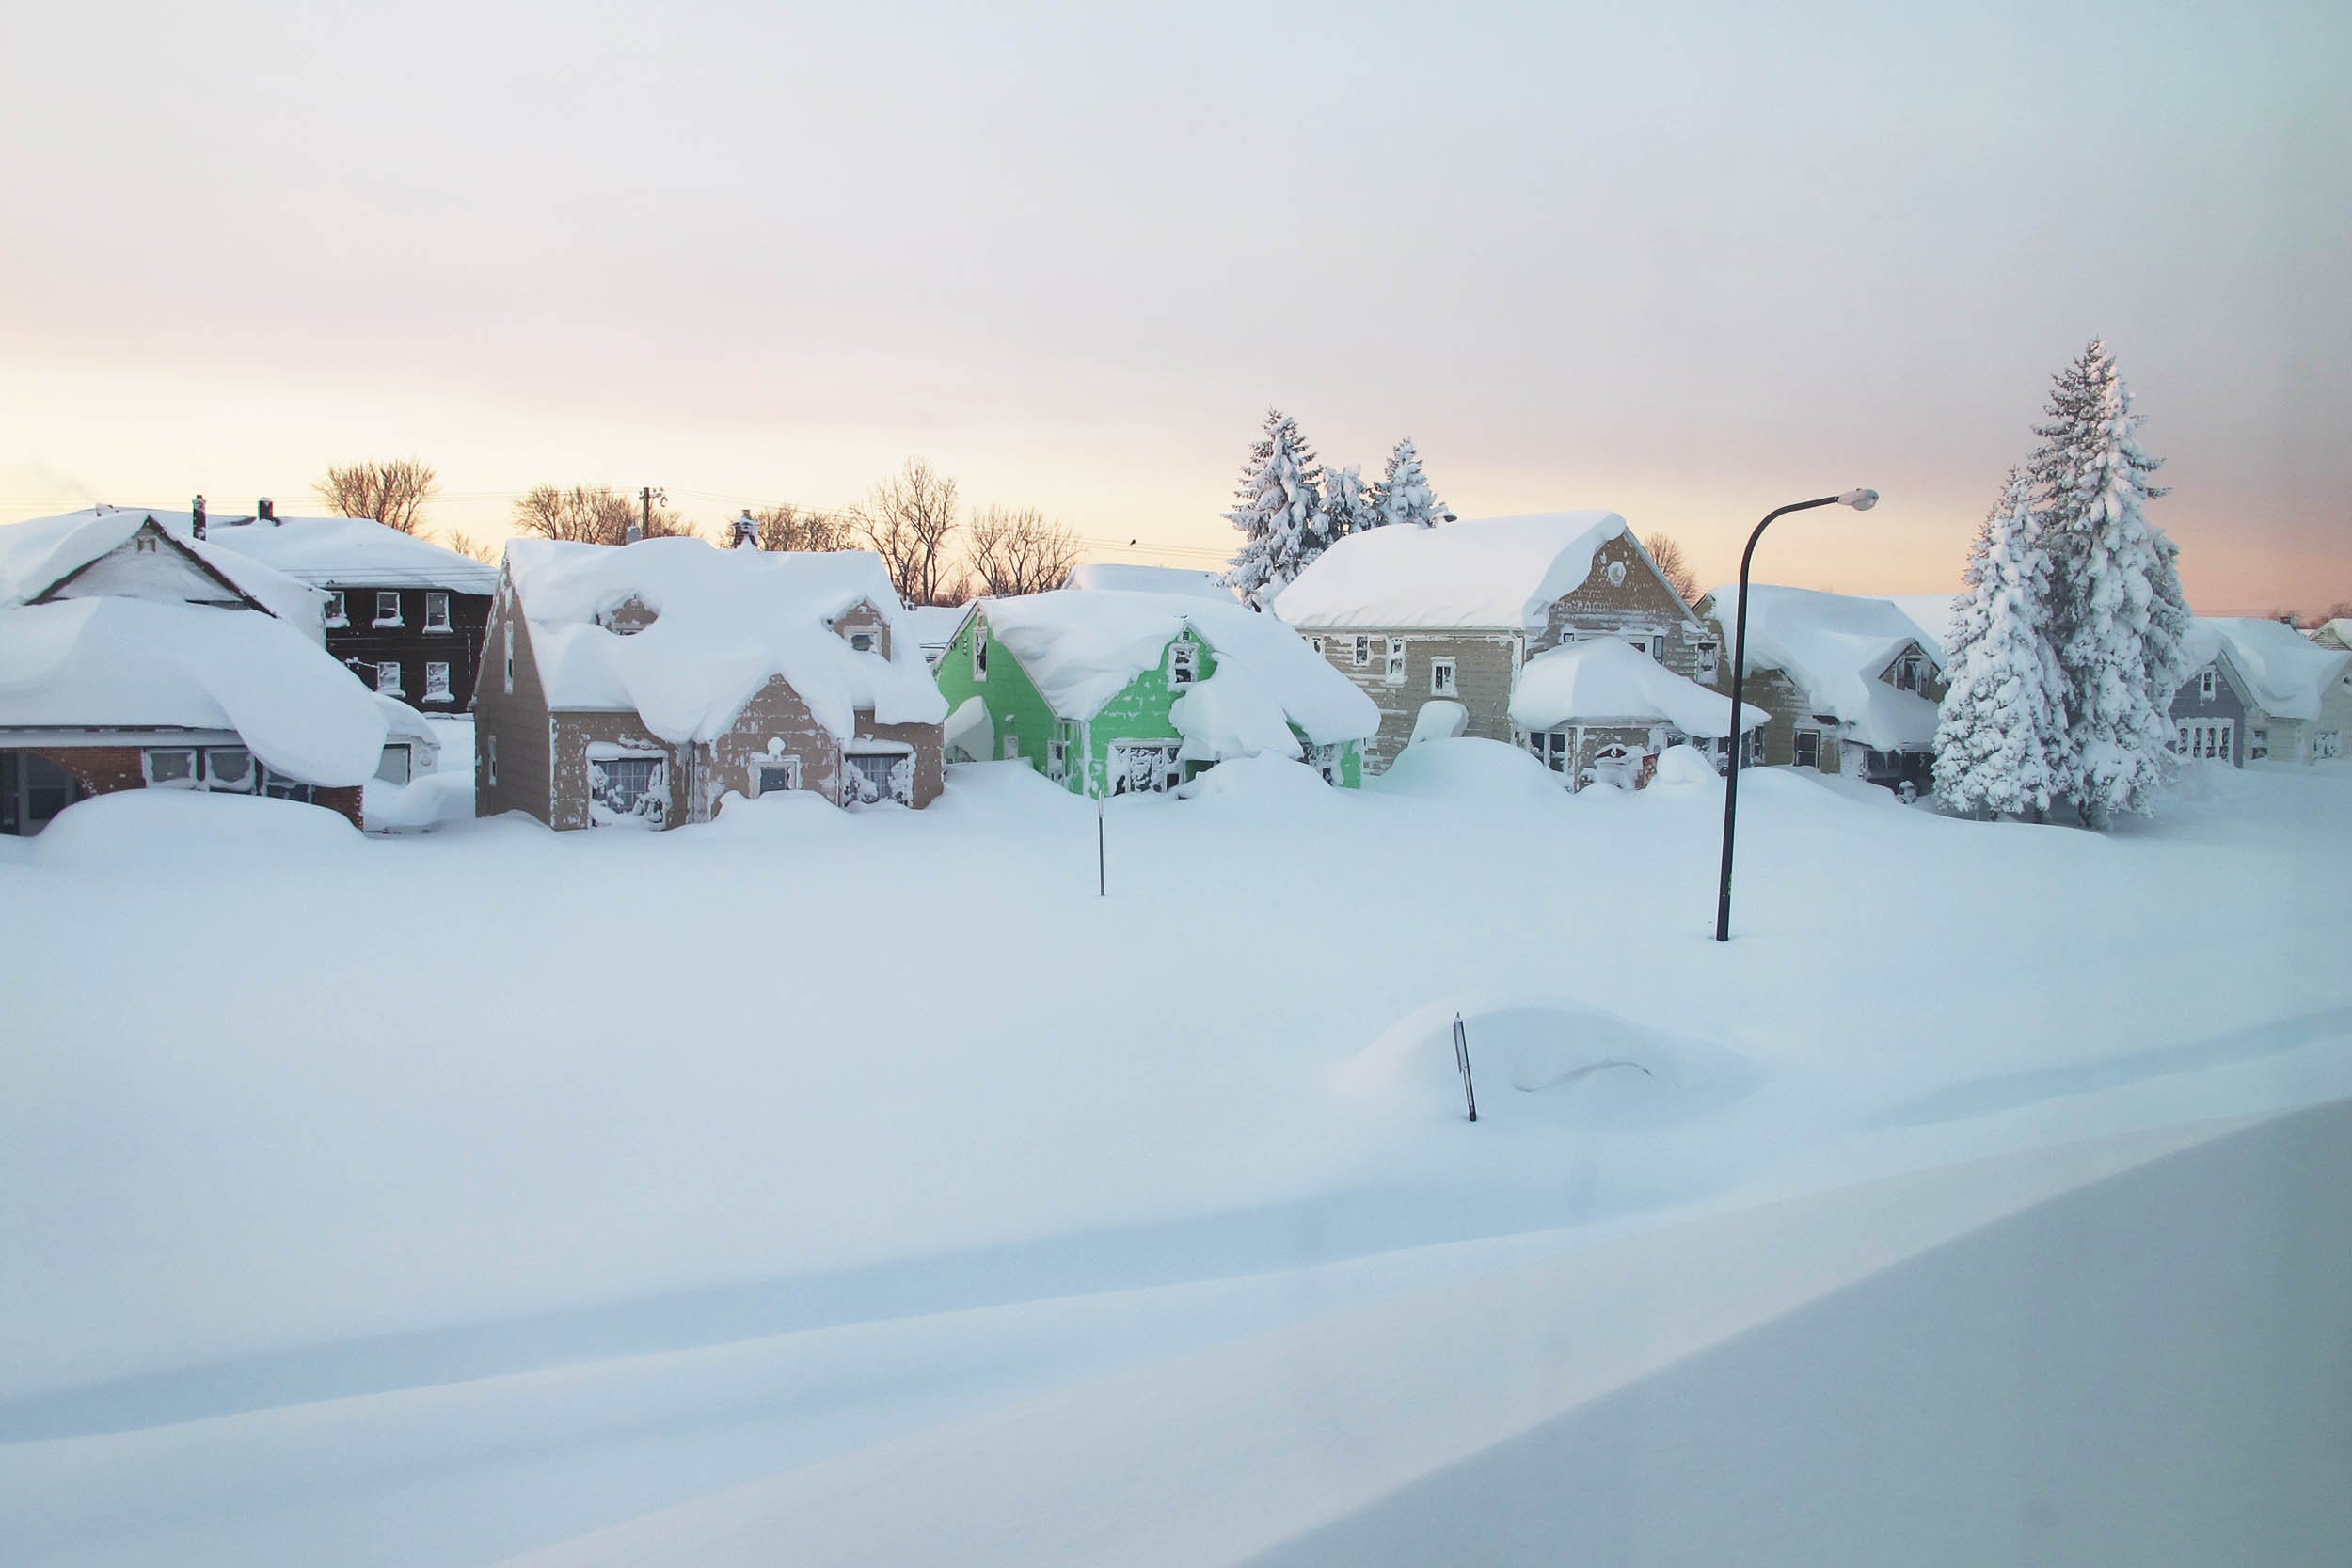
(1861,501)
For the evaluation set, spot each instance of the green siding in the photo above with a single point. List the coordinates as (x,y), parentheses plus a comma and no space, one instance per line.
(1137,712)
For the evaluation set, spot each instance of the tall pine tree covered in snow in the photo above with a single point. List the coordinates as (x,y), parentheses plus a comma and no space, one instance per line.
(2001,737)
(2116,616)
(1347,504)
(1280,509)
(1402,493)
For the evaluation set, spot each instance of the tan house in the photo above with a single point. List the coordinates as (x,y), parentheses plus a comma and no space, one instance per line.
(134,658)
(1453,616)
(1851,682)
(639,685)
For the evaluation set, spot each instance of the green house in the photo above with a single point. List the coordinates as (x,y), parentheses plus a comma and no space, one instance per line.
(1114,692)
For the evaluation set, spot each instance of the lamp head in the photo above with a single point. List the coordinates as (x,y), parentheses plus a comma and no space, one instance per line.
(1861,501)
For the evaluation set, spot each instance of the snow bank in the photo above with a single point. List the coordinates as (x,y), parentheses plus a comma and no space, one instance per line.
(727,621)
(1096,576)
(1440,719)
(1268,776)
(1602,678)
(1833,646)
(1466,769)
(1082,649)
(1683,766)
(135,828)
(104,662)
(1498,573)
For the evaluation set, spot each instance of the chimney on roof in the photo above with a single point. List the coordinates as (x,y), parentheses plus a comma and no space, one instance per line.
(196,517)
(746,532)
(264,511)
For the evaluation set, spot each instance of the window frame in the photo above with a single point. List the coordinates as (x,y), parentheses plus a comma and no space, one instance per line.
(382,666)
(1395,657)
(441,692)
(1797,748)
(1445,677)
(193,778)
(437,599)
(383,621)
(979,652)
(1363,650)
(785,762)
(337,610)
(1184,662)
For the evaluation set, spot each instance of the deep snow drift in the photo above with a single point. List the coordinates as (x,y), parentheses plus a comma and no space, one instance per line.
(437,1197)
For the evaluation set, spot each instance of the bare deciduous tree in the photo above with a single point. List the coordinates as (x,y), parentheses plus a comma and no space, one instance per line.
(468,546)
(907,520)
(799,528)
(1019,551)
(1672,565)
(394,492)
(592,515)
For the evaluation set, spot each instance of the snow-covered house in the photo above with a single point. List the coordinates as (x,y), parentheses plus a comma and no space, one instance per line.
(131,657)
(1109,692)
(402,613)
(1851,682)
(2335,635)
(1455,613)
(2298,695)
(2210,711)
(1597,711)
(636,685)
(1095,576)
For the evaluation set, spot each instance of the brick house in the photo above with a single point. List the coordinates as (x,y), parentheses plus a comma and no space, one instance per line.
(638,685)
(139,659)
(1452,617)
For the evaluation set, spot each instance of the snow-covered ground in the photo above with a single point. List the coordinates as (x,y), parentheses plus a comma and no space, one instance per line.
(823,1186)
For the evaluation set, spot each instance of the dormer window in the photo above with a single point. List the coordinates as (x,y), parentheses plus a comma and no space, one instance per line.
(1907,671)
(1184,661)
(627,618)
(862,641)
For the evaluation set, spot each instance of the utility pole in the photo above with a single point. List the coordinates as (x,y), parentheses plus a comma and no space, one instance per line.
(646,498)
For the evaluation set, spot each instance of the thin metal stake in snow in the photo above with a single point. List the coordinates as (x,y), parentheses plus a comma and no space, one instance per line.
(1461,1060)
(1102,875)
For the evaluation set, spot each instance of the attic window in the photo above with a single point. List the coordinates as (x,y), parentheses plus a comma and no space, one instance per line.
(1184,662)
(1616,574)
(862,641)
(979,653)
(1708,657)
(1907,672)
(2204,687)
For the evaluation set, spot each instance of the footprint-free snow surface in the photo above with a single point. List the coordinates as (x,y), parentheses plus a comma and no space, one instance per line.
(859,1187)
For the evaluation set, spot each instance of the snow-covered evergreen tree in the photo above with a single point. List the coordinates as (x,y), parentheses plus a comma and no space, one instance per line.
(2117,618)
(1279,509)
(1347,503)
(2001,737)
(1402,493)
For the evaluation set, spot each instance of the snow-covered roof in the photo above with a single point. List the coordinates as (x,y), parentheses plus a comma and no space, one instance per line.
(2338,631)
(402,723)
(342,552)
(1095,576)
(2289,673)
(1931,615)
(1834,647)
(1082,649)
(1604,678)
(1492,574)
(936,625)
(35,555)
(726,622)
(100,663)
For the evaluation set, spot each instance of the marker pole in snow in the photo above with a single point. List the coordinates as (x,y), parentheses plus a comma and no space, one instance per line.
(1461,1061)
(1102,875)
(1861,501)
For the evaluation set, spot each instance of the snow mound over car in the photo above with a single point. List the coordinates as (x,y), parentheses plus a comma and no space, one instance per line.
(1466,769)
(143,827)
(1683,766)
(1553,1061)
(1263,777)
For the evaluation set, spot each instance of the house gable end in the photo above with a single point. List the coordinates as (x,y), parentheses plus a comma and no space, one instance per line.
(150,565)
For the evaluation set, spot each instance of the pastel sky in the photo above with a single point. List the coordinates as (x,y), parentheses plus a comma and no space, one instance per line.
(1685,264)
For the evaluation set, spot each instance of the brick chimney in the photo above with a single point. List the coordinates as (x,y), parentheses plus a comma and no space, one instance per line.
(264,511)
(196,517)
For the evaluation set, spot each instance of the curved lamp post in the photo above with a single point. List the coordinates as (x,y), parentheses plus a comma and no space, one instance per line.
(1861,501)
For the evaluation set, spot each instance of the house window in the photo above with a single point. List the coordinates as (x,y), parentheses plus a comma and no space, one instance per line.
(493,759)
(1363,652)
(1907,672)
(1709,659)
(338,614)
(2205,686)
(871,776)
(862,641)
(436,612)
(1058,760)
(1144,769)
(775,775)
(1552,748)
(979,653)
(1654,646)
(437,683)
(2326,744)
(1809,749)
(1316,643)
(229,767)
(388,677)
(280,787)
(2257,745)
(386,608)
(1567,635)
(1392,661)
(1009,745)
(510,656)
(1441,677)
(626,787)
(171,769)
(394,765)
(1184,661)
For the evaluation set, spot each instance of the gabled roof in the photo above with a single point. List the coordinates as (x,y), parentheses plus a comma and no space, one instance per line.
(2336,633)
(2288,673)
(42,556)
(726,622)
(1834,646)
(1930,614)
(1094,576)
(1496,573)
(106,663)
(2205,646)
(1601,678)
(1081,649)
(342,552)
